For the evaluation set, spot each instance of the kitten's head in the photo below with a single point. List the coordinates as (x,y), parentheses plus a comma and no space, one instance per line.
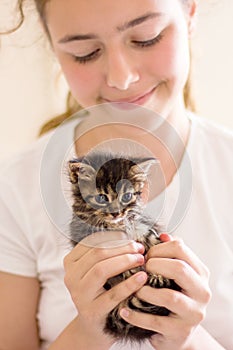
(108,188)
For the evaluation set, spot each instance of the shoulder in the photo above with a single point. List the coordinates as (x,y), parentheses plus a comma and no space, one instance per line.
(211,140)
(47,151)
(24,162)
(31,194)
(210,150)
(19,185)
(212,130)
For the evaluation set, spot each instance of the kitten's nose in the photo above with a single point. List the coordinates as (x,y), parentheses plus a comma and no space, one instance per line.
(115,214)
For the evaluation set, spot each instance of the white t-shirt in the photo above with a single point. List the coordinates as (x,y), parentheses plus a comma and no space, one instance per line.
(35,214)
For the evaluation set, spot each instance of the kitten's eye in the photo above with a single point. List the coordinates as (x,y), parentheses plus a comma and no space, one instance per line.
(101,198)
(138,193)
(126,198)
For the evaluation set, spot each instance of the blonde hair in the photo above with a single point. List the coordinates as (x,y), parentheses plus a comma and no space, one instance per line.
(72,105)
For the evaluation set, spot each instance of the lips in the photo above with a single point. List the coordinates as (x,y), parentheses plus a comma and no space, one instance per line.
(139,99)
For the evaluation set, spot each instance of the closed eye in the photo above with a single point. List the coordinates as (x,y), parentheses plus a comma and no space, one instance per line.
(147,43)
(91,56)
(95,54)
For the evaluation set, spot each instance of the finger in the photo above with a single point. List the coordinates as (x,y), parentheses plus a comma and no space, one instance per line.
(99,254)
(105,239)
(170,327)
(159,324)
(190,282)
(80,250)
(176,302)
(110,240)
(176,249)
(88,257)
(111,298)
(101,272)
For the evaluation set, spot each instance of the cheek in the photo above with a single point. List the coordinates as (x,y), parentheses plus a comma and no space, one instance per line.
(82,81)
(179,60)
(170,61)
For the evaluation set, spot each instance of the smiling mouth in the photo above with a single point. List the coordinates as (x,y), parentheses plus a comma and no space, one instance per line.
(140,99)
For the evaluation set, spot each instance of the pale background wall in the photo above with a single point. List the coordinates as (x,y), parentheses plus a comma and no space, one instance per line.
(31,90)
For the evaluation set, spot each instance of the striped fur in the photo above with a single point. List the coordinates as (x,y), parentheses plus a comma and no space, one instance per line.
(106,197)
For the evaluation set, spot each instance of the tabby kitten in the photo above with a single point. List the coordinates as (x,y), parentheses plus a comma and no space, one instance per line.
(107,197)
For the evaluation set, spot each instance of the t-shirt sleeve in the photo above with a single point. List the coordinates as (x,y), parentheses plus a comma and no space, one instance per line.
(16,253)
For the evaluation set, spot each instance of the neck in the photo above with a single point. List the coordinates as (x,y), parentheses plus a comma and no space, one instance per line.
(166,142)
(171,141)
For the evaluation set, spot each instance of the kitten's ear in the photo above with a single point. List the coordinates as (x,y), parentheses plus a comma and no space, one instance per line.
(82,171)
(145,165)
(141,169)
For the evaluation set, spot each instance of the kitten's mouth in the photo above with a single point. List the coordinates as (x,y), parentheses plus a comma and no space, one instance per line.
(116,220)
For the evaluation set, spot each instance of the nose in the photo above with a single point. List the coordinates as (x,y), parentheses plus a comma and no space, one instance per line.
(121,71)
(115,208)
(115,214)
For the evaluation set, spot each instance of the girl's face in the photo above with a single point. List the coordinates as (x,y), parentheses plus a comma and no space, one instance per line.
(123,51)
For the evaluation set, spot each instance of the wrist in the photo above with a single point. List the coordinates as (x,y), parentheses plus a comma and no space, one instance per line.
(77,335)
(93,338)
(201,336)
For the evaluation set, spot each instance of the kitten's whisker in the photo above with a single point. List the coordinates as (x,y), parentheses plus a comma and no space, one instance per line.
(115,182)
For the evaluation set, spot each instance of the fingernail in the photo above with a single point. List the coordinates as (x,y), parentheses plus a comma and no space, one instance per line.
(141,277)
(140,247)
(165,237)
(124,313)
(139,258)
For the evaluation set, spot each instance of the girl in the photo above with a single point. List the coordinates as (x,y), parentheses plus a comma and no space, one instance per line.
(129,51)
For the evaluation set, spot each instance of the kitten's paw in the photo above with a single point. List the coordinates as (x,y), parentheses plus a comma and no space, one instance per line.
(158,281)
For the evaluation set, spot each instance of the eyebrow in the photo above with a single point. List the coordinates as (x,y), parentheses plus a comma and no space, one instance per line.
(125,26)
(139,20)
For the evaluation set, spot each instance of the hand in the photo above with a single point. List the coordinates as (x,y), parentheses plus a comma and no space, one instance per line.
(174,260)
(86,271)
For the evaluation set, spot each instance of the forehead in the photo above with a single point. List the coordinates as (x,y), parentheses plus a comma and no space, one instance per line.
(107,15)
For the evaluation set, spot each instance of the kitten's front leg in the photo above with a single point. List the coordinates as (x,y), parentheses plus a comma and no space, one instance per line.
(150,239)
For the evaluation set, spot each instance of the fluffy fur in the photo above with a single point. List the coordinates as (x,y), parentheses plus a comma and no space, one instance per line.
(107,196)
